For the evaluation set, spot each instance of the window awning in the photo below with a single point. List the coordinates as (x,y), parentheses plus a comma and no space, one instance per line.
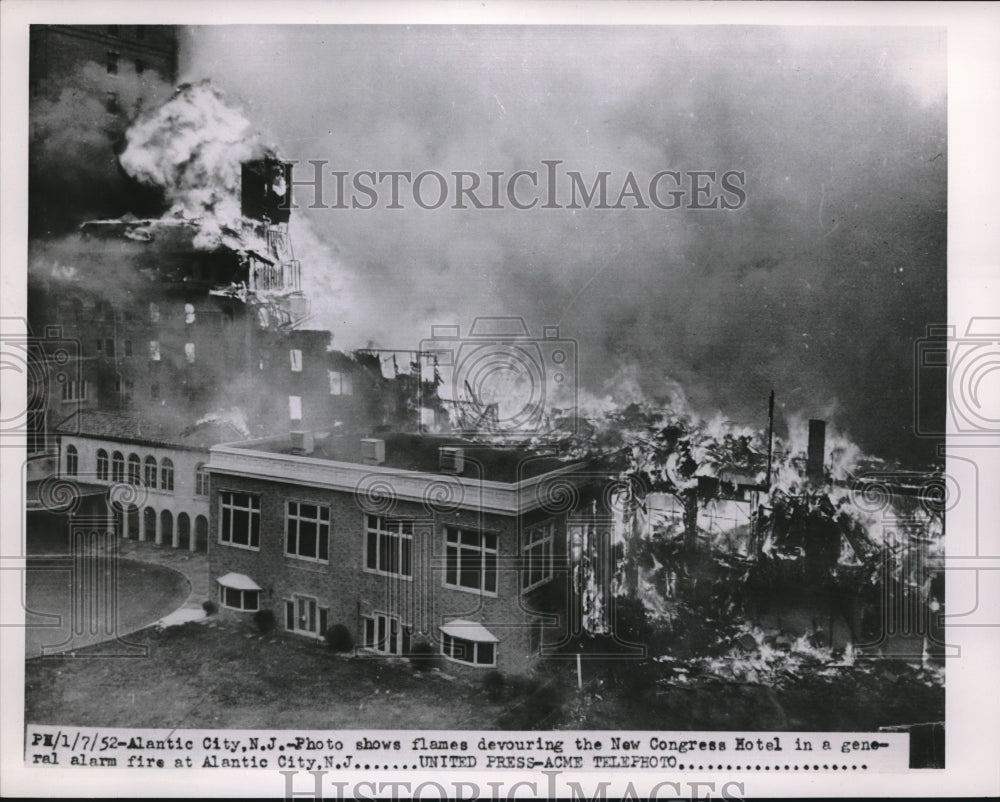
(468,630)
(238,582)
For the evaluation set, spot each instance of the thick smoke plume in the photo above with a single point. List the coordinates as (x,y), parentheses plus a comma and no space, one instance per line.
(817,287)
(76,131)
(191,148)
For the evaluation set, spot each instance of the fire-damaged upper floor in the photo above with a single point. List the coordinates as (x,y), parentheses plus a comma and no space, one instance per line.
(254,255)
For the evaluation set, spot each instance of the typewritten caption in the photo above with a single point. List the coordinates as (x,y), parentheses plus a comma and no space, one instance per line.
(75,747)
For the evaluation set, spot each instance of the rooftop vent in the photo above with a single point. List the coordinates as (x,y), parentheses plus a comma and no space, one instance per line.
(451,459)
(302,442)
(372,451)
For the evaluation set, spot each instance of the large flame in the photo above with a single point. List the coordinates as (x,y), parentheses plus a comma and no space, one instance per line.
(193,147)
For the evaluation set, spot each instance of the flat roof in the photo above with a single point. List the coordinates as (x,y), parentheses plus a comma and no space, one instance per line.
(420,452)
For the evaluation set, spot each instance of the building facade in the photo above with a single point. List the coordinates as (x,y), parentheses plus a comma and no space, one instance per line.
(399,539)
(166,464)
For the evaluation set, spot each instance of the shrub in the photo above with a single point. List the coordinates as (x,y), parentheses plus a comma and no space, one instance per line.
(338,638)
(264,619)
(210,607)
(494,685)
(423,655)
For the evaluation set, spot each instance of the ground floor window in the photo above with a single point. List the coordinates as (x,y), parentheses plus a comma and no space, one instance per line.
(238,599)
(469,651)
(238,592)
(468,642)
(385,634)
(304,616)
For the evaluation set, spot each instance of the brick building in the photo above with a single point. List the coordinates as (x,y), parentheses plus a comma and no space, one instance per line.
(403,538)
(58,50)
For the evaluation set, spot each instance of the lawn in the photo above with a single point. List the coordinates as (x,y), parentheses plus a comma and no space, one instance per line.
(222,674)
(226,675)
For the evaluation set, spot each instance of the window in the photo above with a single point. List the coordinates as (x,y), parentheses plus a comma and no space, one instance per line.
(388,547)
(295,407)
(154,350)
(239,599)
(189,353)
(73,390)
(150,471)
(477,653)
(128,348)
(296,357)
(189,315)
(239,521)
(154,391)
(102,464)
(537,553)
(111,102)
(117,467)
(134,469)
(154,313)
(73,461)
(200,480)
(340,383)
(307,531)
(112,62)
(304,615)
(166,475)
(471,560)
(385,634)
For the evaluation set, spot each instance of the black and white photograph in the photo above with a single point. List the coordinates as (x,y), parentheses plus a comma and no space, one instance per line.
(404,397)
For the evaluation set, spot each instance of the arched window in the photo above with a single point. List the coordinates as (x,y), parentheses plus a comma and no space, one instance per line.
(151,470)
(117,467)
(200,480)
(134,469)
(102,464)
(72,461)
(166,474)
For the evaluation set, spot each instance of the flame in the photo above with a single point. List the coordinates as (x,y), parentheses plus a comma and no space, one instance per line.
(193,147)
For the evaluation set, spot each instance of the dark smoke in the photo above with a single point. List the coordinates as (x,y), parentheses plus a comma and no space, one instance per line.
(77,130)
(818,287)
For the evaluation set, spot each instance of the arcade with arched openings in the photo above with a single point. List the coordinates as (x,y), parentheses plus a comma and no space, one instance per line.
(183,530)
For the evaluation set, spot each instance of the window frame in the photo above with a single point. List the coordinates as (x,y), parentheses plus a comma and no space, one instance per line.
(474,662)
(547,557)
(148,464)
(403,637)
(201,484)
(322,616)
(251,511)
(318,520)
(118,467)
(223,589)
(133,469)
(399,535)
(459,548)
(72,460)
(74,391)
(167,475)
(103,465)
